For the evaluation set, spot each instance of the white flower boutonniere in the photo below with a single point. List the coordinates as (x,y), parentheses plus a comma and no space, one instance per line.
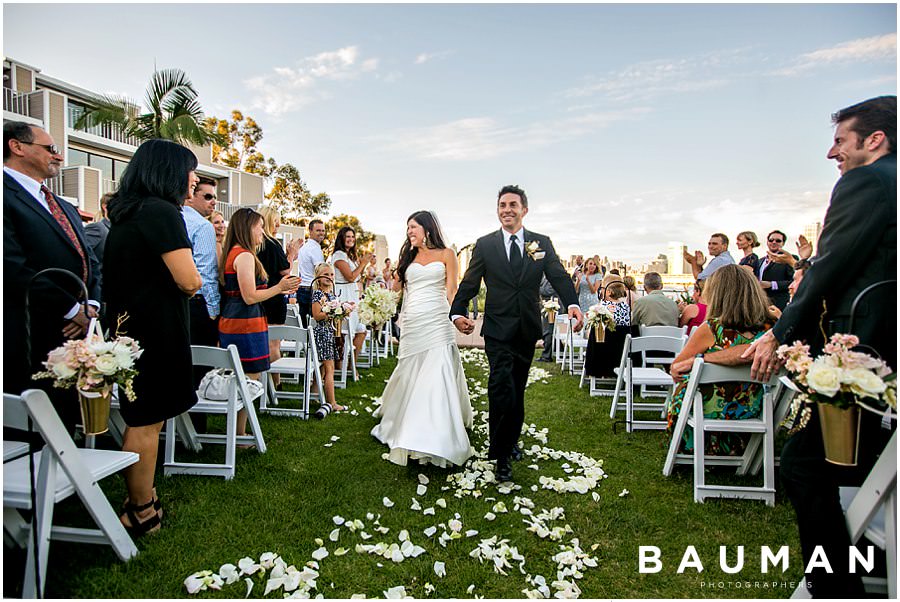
(534,250)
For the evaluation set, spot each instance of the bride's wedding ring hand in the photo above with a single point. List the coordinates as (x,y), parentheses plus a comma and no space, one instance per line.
(464,325)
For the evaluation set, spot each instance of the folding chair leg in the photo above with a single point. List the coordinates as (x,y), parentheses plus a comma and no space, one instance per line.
(42,523)
(254,425)
(188,432)
(170,441)
(230,434)
(699,453)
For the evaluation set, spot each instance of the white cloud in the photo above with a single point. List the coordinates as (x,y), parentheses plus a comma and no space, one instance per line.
(870,49)
(430,56)
(290,88)
(478,138)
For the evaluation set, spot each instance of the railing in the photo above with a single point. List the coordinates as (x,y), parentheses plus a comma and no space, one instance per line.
(108,185)
(55,185)
(227,209)
(109,131)
(16,102)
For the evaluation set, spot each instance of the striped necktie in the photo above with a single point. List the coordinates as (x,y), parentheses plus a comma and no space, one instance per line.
(66,225)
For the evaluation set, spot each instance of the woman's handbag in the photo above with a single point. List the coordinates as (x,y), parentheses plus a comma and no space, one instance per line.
(216,385)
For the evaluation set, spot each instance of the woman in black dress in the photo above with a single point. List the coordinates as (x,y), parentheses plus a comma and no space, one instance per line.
(277,265)
(148,277)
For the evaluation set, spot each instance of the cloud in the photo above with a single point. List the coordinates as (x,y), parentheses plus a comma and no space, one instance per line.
(875,48)
(426,56)
(478,138)
(649,79)
(290,88)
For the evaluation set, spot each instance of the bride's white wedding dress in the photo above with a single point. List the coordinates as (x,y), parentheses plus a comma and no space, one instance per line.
(425,407)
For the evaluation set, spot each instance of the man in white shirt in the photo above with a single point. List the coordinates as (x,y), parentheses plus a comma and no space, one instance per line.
(308,258)
(205,304)
(718,249)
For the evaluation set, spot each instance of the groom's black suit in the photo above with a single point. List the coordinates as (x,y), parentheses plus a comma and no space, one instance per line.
(512,325)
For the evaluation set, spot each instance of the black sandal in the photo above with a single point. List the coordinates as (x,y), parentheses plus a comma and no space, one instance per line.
(138,527)
(157,505)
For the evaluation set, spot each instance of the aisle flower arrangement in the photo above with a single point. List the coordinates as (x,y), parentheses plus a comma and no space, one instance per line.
(551,308)
(600,318)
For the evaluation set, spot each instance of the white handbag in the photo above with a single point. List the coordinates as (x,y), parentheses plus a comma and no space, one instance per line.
(217,383)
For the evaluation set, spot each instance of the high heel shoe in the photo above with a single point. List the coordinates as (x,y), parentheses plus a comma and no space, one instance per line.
(157,505)
(137,527)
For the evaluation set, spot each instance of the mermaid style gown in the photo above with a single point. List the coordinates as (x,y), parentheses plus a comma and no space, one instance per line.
(425,407)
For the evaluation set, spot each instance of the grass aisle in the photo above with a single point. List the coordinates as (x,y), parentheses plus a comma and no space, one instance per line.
(285,502)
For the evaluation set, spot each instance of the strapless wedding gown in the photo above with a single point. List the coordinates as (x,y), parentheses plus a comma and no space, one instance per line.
(425,407)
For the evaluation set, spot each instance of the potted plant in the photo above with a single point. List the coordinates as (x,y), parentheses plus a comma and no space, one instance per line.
(839,382)
(93,366)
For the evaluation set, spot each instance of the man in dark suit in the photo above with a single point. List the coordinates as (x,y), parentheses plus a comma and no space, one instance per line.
(511,262)
(40,231)
(857,248)
(775,277)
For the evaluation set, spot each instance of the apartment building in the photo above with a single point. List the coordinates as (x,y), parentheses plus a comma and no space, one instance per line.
(95,158)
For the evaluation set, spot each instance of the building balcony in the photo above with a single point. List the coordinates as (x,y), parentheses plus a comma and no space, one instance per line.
(25,105)
(107,131)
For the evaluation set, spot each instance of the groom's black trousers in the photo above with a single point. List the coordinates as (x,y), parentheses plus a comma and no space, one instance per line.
(509,362)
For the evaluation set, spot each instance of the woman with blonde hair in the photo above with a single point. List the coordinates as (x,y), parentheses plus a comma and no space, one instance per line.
(587,283)
(737,314)
(217,219)
(747,241)
(242,320)
(277,264)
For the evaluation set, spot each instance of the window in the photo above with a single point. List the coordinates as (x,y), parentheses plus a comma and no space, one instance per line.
(77,157)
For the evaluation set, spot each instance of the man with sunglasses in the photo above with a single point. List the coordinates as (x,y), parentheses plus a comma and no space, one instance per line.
(41,230)
(774,276)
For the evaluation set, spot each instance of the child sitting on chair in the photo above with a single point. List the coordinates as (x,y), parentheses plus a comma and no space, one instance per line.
(324,334)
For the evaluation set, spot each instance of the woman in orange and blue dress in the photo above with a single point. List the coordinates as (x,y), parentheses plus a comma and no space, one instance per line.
(737,314)
(242,319)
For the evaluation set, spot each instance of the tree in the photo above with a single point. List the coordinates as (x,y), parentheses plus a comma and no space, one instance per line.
(239,140)
(291,196)
(174,112)
(364,239)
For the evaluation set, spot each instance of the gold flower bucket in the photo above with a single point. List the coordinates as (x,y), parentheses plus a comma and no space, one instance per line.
(600,333)
(338,325)
(94,410)
(551,315)
(840,433)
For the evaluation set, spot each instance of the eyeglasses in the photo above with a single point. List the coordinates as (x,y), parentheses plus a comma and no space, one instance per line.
(50,148)
(776,240)
(209,196)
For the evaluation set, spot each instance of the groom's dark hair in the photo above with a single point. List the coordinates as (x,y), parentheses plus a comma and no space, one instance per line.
(513,189)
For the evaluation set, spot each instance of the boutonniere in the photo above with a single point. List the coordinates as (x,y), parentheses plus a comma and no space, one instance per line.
(534,250)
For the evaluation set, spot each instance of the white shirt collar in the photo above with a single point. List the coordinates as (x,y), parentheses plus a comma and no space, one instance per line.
(520,236)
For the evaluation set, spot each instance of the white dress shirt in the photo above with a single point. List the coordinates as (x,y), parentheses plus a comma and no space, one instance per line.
(308,258)
(520,241)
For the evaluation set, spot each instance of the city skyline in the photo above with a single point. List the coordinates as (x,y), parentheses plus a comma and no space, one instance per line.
(629,126)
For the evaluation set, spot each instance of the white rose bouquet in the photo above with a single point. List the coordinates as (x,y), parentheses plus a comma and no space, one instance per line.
(93,364)
(378,305)
(839,377)
(551,308)
(601,319)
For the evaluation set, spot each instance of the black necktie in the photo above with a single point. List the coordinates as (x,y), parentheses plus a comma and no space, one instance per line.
(515,255)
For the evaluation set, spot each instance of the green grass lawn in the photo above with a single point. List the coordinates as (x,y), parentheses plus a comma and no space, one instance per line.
(282,501)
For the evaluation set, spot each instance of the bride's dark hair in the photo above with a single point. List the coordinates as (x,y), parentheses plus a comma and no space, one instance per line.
(433,240)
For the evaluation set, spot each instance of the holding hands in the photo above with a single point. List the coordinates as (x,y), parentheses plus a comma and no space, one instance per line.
(464,325)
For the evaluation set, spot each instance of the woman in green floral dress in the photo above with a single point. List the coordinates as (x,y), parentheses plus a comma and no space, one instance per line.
(738,313)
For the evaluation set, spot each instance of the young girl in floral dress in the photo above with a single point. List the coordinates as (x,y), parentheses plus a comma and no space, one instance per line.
(323,332)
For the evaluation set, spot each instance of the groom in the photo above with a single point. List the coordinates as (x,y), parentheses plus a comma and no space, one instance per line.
(511,261)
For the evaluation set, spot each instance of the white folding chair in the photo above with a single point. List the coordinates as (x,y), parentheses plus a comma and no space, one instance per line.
(691,414)
(186,432)
(347,365)
(577,348)
(304,366)
(62,469)
(628,376)
(386,341)
(239,397)
(560,338)
(652,359)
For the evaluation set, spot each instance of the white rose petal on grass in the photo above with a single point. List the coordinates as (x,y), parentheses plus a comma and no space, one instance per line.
(428,511)
(267,559)
(455,525)
(395,593)
(364,535)
(334,535)
(423,479)
(596,496)
(439,568)
(470,589)
(358,597)
(229,573)
(249,583)
(248,566)
(415,505)
(430,531)
(338,520)
(471,533)
(441,502)
(387,502)
(335,438)
(624,493)
(319,541)
(490,516)
(328,445)
(403,535)
(340,551)
(421,490)
(320,553)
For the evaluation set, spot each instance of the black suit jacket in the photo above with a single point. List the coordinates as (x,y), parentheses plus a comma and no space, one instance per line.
(512,309)
(857,248)
(782,274)
(33,241)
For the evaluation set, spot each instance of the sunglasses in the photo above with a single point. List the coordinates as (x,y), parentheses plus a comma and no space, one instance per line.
(209,196)
(776,240)
(50,148)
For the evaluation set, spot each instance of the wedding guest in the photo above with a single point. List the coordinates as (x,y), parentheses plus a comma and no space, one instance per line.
(95,233)
(218,222)
(632,290)
(616,301)
(242,320)
(587,283)
(324,333)
(654,308)
(694,314)
(388,272)
(309,257)
(347,270)
(775,276)
(371,273)
(737,314)
(718,250)
(804,251)
(150,275)
(747,241)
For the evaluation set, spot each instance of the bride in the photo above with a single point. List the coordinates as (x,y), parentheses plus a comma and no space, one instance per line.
(425,407)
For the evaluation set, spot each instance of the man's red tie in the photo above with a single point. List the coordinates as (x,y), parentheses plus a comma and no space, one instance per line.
(66,225)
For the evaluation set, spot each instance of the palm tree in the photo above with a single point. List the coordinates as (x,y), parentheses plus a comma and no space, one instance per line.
(175,114)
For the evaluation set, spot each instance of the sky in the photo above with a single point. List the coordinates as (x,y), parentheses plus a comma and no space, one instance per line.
(629,126)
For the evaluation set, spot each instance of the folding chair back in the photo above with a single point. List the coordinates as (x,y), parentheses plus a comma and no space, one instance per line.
(560,338)
(304,366)
(63,469)
(240,397)
(676,332)
(691,414)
